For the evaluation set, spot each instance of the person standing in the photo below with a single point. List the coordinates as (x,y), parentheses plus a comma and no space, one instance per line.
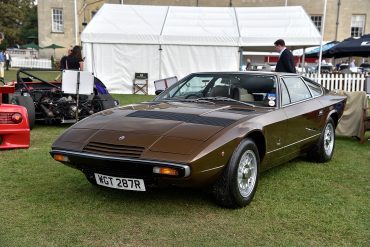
(74,60)
(352,64)
(63,60)
(2,62)
(286,59)
(7,60)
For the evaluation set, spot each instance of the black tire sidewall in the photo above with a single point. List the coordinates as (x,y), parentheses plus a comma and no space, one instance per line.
(105,101)
(26,102)
(246,144)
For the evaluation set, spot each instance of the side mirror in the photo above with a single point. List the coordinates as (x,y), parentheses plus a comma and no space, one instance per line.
(158,92)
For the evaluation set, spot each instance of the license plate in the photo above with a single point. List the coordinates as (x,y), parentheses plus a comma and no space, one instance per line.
(120,183)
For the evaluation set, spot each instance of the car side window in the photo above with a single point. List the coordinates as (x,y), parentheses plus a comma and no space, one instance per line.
(285,98)
(315,88)
(297,89)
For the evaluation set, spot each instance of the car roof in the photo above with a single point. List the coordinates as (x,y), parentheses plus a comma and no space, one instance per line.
(246,72)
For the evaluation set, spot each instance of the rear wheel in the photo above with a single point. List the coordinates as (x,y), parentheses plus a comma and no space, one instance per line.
(26,102)
(237,185)
(324,148)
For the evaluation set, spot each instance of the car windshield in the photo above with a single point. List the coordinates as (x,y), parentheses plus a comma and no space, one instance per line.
(250,89)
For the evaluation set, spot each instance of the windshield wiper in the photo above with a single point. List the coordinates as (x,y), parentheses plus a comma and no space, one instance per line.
(199,100)
(224,99)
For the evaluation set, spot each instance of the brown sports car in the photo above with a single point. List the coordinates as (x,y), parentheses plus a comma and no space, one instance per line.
(218,130)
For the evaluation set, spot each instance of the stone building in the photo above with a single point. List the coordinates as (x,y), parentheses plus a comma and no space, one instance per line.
(344,18)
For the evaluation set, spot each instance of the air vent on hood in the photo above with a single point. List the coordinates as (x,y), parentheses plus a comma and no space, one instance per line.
(113,150)
(183,117)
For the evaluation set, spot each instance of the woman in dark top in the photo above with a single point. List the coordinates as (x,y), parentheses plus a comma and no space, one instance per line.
(74,60)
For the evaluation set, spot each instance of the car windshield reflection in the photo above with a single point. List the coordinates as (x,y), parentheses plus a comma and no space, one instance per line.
(246,89)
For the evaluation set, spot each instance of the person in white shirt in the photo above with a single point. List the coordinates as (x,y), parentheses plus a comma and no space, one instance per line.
(7,60)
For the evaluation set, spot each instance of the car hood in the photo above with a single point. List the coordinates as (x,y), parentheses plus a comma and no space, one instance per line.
(173,127)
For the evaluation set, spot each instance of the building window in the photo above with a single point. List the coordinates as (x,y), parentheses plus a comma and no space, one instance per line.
(317,20)
(57,20)
(357,25)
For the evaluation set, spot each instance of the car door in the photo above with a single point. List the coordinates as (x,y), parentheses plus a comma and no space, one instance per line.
(303,114)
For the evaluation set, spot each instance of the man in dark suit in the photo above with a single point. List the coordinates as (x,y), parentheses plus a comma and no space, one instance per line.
(286,59)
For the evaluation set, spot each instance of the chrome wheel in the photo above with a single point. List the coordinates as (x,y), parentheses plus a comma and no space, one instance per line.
(247,173)
(329,139)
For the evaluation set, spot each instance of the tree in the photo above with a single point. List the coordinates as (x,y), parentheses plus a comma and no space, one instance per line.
(13,14)
(30,28)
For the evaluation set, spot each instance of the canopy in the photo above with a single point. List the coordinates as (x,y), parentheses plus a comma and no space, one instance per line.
(53,46)
(167,41)
(351,47)
(31,45)
(315,52)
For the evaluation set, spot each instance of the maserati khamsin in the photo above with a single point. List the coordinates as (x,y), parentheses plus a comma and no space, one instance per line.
(214,130)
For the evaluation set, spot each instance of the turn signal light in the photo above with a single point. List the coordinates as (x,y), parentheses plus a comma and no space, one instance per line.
(62,158)
(165,171)
(16,118)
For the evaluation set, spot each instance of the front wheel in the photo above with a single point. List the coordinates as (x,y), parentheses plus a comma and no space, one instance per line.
(27,102)
(237,185)
(324,148)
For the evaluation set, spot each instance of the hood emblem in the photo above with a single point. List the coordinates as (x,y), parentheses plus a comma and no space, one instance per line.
(121,138)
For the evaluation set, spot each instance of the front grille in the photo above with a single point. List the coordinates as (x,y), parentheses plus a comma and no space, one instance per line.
(114,150)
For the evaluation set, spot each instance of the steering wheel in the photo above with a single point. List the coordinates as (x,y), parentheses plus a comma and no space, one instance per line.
(192,96)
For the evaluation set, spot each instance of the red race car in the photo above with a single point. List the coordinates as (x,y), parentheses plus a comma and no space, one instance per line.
(14,126)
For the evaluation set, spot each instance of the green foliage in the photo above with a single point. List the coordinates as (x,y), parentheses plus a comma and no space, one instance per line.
(13,15)
(29,31)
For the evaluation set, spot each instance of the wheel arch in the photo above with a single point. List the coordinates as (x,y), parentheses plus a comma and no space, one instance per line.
(260,141)
(333,115)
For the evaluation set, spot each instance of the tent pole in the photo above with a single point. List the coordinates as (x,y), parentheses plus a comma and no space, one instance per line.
(240,59)
(322,37)
(303,62)
(160,62)
(76,23)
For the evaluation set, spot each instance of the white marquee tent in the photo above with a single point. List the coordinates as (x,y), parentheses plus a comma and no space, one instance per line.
(166,41)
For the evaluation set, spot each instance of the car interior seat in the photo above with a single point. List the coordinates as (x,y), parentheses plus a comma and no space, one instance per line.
(220,91)
(242,95)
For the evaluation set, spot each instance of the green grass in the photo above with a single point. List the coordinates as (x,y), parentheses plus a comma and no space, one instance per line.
(44,203)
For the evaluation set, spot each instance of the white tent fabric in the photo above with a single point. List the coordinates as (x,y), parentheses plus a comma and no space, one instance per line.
(260,27)
(166,41)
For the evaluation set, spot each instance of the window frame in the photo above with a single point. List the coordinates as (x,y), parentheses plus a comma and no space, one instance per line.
(315,22)
(296,102)
(361,29)
(56,22)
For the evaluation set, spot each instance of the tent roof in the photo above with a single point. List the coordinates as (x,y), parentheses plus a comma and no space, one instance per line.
(218,26)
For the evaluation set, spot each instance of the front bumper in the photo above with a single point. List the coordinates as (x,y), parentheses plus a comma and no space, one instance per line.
(90,163)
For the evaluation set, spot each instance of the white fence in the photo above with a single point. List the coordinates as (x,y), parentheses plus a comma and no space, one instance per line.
(346,82)
(31,63)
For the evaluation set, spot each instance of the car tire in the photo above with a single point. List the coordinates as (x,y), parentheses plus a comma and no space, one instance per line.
(324,148)
(26,102)
(236,187)
(102,102)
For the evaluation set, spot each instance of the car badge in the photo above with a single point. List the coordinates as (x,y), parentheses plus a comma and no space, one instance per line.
(121,138)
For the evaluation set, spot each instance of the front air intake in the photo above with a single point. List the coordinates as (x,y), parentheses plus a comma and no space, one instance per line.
(113,150)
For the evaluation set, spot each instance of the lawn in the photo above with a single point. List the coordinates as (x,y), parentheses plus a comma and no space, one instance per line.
(44,203)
